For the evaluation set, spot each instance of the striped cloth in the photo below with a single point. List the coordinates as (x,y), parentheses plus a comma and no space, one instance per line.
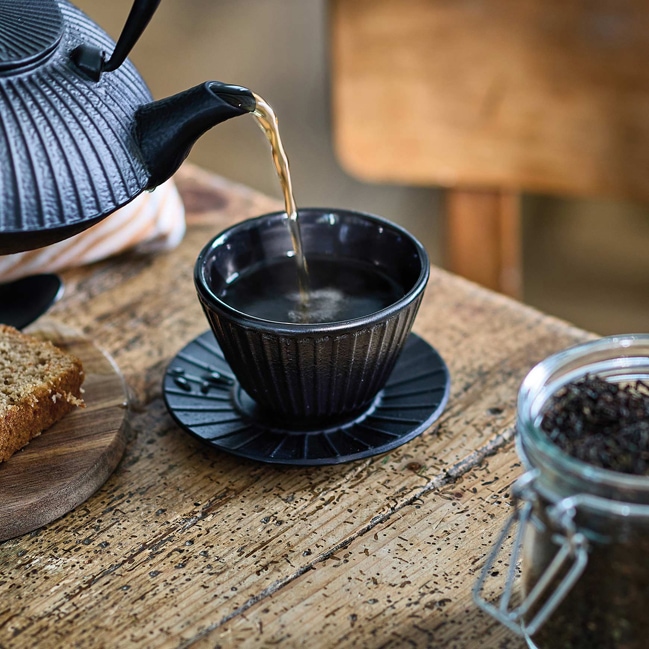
(152,222)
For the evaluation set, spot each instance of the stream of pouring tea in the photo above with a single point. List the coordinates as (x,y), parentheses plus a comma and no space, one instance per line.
(268,123)
(327,291)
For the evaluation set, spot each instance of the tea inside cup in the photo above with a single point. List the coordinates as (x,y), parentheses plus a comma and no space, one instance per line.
(329,352)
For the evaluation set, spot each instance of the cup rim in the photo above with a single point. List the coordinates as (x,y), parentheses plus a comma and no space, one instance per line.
(214,302)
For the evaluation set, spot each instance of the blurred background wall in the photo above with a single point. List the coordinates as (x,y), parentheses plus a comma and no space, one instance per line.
(584,261)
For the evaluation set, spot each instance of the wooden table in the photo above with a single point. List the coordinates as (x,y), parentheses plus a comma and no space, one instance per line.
(185,546)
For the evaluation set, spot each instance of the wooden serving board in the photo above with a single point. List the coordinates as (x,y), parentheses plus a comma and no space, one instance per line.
(62,467)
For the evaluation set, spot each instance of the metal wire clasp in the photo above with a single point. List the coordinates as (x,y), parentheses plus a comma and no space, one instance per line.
(573,546)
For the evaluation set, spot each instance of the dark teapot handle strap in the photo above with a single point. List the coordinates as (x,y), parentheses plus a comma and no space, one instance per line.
(92,61)
(139,17)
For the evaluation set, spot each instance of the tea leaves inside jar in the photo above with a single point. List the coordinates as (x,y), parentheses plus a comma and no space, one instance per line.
(602,423)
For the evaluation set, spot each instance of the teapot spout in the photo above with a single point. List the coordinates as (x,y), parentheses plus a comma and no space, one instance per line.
(167,129)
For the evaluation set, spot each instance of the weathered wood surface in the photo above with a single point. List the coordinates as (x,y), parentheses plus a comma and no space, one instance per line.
(184,546)
(396,584)
(59,469)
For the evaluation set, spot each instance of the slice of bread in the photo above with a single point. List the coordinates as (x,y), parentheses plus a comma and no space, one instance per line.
(39,384)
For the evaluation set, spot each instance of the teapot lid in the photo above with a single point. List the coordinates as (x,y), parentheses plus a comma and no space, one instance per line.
(29,32)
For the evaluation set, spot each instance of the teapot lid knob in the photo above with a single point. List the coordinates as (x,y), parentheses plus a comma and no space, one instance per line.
(29,31)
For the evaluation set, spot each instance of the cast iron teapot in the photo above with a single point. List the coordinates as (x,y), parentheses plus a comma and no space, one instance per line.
(80,134)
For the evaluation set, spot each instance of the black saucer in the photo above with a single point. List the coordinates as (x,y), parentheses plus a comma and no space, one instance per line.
(203,396)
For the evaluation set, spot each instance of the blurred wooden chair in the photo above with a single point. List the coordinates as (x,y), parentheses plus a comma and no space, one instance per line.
(488,99)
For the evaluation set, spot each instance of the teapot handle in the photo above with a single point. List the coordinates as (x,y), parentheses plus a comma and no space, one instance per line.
(141,13)
(92,61)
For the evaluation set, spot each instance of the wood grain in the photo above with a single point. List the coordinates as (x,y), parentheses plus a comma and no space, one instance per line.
(443,537)
(61,468)
(547,97)
(482,237)
(187,547)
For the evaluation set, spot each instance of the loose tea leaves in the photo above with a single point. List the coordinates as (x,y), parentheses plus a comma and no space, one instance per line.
(601,423)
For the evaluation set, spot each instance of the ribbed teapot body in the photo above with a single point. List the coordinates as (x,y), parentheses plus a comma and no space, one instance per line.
(68,143)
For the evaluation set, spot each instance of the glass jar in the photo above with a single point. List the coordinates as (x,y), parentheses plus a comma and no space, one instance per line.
(583,531)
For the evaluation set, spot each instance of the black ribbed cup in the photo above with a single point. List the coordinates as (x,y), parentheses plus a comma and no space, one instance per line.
(304,372)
